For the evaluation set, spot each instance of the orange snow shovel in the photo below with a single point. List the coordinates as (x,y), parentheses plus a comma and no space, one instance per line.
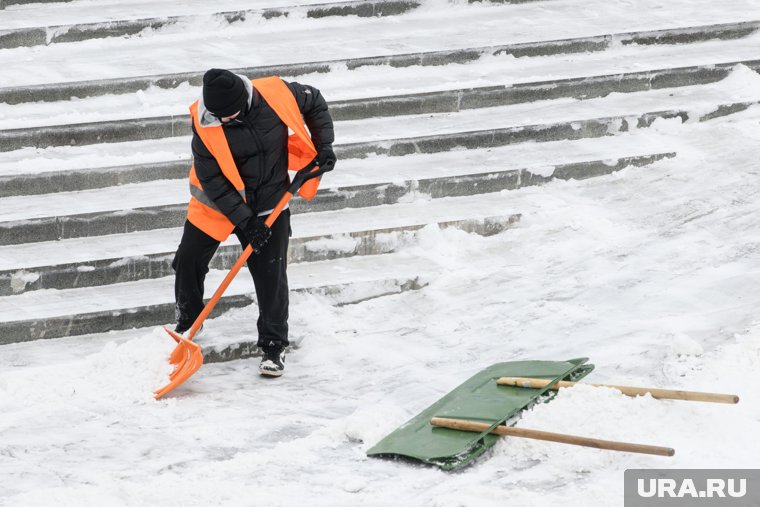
(187,356)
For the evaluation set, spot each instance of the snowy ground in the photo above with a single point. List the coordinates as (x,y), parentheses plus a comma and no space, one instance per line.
(651,272)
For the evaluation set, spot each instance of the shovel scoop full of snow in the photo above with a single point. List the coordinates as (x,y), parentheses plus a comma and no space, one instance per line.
(187,358)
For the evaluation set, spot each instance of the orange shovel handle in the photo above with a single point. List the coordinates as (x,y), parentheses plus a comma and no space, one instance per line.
(305,174)
(235,270)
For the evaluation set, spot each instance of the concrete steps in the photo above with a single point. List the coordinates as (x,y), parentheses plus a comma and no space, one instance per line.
(366,189)
(91,206)
(597,43)
(45,181)
(173,215)
(447,101)
(28,13)
(53,314)
(126,268)
(361,233)
(650,63)
(95,260)
(626,109)
(32,36)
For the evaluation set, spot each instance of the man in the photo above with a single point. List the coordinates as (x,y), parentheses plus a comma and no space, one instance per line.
(240,171)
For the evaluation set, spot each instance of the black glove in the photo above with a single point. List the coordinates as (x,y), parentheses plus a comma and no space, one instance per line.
(326,157)
(256,232)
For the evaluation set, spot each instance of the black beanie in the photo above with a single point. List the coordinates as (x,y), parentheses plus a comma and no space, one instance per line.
(224,93)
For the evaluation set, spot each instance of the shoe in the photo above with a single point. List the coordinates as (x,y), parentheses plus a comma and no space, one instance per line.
(273,362)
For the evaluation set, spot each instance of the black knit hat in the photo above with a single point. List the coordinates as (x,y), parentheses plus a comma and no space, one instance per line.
(224,93)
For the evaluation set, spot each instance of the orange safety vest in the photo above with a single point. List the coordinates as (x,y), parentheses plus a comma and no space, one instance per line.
(202,212)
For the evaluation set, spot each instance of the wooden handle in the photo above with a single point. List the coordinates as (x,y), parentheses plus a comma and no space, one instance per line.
(667,394)
(509,431)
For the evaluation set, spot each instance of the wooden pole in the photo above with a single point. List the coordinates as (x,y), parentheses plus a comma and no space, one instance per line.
(509,431)
(668,394)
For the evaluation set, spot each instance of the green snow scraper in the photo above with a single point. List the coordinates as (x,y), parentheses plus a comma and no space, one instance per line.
(465,423)
(479,399)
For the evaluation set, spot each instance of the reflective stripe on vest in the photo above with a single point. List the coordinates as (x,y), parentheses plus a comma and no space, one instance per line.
(202,212)
(203,198)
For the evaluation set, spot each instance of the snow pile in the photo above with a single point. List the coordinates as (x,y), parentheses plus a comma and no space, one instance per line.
(372,421)
(132,370)
(684,346)
(119,374)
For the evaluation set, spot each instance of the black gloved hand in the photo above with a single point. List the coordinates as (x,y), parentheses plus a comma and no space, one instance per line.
(326,157)
(256,232)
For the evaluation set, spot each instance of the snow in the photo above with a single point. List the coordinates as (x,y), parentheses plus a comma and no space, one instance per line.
(340,243)
(372,169)
(613,267)
(380,81)
(741,85)
(51,303)
(21,279)
(683,346)
(308,225)
(544,290)
(281,40)
(68,158)
(100,11)
(652,272)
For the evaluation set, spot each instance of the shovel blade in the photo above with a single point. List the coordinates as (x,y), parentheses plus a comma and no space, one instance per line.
(187,358)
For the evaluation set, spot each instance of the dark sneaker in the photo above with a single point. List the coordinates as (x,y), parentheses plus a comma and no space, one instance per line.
(273,362)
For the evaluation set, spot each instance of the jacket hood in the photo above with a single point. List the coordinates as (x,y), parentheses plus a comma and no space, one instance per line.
(206,119)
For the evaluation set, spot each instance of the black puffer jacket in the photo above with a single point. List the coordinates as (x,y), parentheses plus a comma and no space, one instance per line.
(259,146)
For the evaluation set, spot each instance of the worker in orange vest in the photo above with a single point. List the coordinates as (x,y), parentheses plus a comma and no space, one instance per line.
(241,155)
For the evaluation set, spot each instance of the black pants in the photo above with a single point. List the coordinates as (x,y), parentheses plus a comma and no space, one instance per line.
(268,269)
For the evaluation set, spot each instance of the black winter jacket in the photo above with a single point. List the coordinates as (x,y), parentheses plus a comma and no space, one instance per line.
(259,145)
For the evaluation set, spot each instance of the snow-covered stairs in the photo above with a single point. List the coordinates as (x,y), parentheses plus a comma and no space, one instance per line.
(107,217)
(36,315)
(148,253)
(77,31)
(445,101)
(434,128)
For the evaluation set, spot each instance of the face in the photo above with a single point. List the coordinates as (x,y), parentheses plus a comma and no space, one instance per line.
(228,119)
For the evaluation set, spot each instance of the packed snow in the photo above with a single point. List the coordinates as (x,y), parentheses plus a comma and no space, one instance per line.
(652,272)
